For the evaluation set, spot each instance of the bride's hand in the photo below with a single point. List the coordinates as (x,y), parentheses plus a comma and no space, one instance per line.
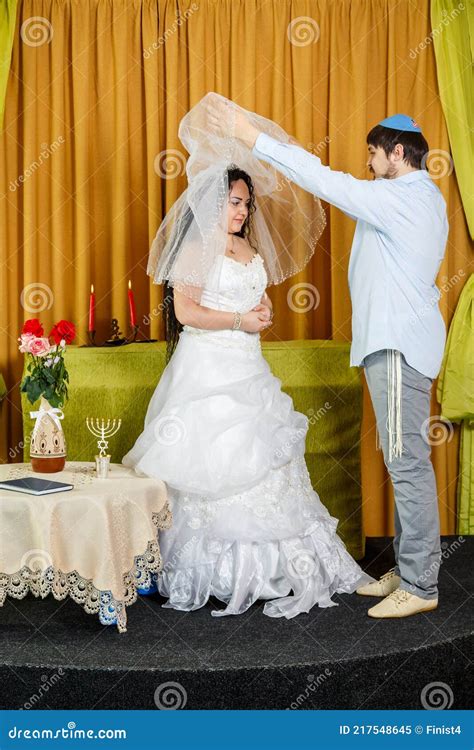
(219,118)
(264,310)
(254,322)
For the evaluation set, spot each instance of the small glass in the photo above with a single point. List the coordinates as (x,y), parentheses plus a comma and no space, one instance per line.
(102,464)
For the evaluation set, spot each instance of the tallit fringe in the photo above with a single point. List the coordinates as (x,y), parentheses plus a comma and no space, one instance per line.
(394,419)
(394,406)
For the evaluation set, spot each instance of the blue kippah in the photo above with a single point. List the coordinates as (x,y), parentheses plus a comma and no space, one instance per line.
(401,122)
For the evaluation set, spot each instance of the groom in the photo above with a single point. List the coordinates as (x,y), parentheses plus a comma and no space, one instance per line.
(398,334)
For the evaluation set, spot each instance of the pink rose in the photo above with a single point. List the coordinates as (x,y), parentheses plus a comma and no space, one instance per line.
(25,341)
(39,347)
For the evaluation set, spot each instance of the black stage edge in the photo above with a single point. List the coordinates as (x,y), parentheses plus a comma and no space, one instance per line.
(55,656)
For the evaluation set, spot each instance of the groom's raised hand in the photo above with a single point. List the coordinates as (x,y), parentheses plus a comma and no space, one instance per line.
(220,117)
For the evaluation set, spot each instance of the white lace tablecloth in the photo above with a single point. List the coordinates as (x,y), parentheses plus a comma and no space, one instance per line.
(96,543)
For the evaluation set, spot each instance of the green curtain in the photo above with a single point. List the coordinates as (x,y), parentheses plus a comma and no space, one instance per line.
(455,393)
(452,24)
(7,29)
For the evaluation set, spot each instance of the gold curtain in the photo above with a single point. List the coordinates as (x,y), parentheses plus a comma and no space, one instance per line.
(90,157)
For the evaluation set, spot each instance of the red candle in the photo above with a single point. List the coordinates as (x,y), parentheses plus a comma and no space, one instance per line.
(131,304)
(92,309)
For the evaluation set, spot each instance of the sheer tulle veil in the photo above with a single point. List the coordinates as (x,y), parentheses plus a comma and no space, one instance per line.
(286,224)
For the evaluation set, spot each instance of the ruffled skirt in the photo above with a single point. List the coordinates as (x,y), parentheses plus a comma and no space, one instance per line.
(247,524)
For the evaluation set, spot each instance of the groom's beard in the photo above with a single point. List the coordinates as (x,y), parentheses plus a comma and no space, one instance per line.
(390,174)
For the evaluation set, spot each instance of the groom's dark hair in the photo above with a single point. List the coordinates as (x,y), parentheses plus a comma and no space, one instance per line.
(415,146)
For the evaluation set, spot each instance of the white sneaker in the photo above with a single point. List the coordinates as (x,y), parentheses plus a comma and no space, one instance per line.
(401,603)
(385,585)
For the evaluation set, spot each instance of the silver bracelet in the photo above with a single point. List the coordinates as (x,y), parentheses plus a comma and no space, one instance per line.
(237,321)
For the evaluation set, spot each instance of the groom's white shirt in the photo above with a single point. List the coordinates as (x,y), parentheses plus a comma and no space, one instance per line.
(398,246)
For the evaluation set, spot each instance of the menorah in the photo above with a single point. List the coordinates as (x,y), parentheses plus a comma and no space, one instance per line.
(103,430)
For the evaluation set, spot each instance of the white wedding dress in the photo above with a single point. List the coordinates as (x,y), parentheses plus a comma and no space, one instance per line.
(226,440)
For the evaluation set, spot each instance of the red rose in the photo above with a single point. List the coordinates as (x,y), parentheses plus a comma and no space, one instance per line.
(34,327)
(63,330)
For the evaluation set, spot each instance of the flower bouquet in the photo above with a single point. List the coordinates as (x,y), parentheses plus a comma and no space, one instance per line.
(46,378)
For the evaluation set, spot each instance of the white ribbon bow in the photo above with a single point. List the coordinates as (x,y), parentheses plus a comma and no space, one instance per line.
(55,413)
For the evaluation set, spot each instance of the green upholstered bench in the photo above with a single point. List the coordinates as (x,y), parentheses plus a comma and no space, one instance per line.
(119,382)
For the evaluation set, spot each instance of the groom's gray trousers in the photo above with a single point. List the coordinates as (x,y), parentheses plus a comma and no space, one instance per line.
(417,542)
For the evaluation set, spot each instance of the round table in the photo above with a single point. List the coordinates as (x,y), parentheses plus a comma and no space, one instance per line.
(97,543)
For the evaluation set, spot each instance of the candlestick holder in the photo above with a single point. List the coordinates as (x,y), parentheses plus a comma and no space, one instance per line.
(144,339)
(116,337)
(102,430)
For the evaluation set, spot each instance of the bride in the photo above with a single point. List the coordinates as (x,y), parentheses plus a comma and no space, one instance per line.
(219,431)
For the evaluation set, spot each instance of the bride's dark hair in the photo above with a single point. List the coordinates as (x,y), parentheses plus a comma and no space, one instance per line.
(172,325)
